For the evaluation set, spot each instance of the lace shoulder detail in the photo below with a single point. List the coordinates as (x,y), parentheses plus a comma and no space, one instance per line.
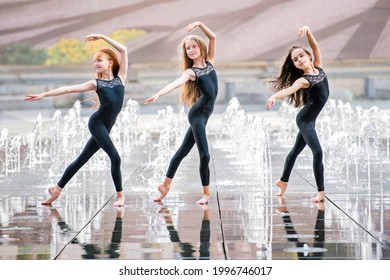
(314,79)
(203,71)
(110,84)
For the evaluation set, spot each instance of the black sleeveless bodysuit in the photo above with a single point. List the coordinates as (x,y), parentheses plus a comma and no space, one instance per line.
(207,82)
(317,95)
(111,95)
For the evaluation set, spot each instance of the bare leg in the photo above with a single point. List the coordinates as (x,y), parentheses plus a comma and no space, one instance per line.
(319,197)
(206,196)
(282,187)
(120,199)
(163,189)
(54,192)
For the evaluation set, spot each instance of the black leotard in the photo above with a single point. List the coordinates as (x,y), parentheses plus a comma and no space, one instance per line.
(207,82)
(317,95)
(111,94)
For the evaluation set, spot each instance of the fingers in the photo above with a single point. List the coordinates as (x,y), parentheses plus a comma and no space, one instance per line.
(91,37)
(189,28)
(303,31)
(192,26)
(30,98)
(33,97)
(150,100)
(270,103)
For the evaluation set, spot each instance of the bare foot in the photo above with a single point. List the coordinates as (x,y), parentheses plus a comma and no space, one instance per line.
(51,189)
(320,205)
(282,187)
(282,208)
(120,212)
(54,214)
(54,192)
(204,200)
(167,215)
(164,210)
(205,207)
(163,192)
(120,201)
(318,198)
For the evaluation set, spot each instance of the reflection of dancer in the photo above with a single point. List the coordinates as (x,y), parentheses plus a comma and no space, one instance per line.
(91,250)
(187,249)
(305,83)
(109,85)
(317,251)
(200,91)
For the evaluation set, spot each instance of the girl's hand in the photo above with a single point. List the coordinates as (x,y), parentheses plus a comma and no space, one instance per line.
(151,99)
(92,37)
(270,102)
(304,31)
(33,97)
(192,26)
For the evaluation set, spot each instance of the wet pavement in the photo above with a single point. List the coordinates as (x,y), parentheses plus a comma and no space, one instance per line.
(243,220)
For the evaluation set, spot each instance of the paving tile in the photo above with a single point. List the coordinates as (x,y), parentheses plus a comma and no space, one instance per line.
(243,220)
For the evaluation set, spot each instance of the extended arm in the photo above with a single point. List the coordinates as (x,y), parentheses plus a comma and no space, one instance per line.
(90,85)
(187,75)
(298,84)
(119,47)
(210,35)
(305,31)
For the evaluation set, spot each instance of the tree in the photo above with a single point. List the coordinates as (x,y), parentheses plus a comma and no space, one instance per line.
(22,53)
(66,51)
(73,51)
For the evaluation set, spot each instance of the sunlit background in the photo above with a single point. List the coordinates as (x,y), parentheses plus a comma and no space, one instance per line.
(41,43)
(41,48)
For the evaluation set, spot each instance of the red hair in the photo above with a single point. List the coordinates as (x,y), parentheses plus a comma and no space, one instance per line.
(112,56)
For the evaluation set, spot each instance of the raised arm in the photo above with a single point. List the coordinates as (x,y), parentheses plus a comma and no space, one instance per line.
(305,31)
(210,35)
(187,75)
(119,47)
(298,84)
(90,85)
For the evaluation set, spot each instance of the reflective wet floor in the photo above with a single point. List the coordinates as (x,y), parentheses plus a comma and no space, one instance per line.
(243,220)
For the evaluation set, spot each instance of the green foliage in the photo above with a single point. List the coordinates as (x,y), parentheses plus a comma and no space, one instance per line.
(22,53)
(66,51)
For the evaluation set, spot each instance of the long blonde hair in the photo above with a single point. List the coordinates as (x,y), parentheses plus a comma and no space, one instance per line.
(112,56)
(190,92)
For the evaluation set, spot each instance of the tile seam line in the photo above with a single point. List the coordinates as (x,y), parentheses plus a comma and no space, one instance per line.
(346,214)
(220,214)
(90,220)
(78,233)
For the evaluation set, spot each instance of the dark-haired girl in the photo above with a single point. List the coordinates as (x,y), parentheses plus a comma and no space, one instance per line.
(304,82)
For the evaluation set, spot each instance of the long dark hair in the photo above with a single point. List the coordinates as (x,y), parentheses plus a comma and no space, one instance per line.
(288,75)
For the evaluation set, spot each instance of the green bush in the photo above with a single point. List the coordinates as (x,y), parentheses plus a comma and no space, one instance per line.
(66,51)
(22,53)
